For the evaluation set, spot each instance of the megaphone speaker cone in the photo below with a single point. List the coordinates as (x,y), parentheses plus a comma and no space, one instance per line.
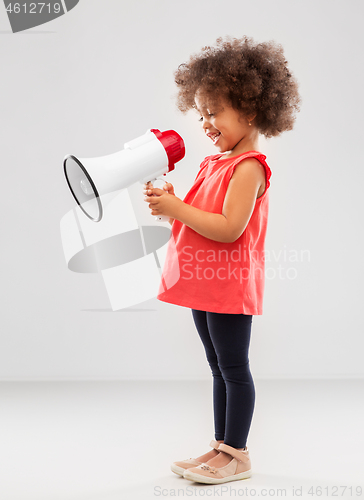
(82,188)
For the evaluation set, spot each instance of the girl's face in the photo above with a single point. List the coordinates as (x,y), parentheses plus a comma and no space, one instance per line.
(224,125)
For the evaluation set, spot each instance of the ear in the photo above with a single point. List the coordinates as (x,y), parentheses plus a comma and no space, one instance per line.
(250,118)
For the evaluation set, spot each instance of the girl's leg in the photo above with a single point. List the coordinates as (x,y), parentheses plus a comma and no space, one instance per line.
(230,337)
(219,388)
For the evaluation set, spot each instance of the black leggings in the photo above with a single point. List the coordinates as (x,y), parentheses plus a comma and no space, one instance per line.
(226,339)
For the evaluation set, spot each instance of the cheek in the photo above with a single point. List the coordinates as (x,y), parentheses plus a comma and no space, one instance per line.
(218,126)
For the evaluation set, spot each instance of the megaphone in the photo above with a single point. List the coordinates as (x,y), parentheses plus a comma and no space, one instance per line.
(143,159)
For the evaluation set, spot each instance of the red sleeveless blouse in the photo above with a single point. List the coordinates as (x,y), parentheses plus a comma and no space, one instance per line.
(208,275)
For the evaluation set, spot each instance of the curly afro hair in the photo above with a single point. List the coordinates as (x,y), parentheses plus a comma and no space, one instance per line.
(253,77)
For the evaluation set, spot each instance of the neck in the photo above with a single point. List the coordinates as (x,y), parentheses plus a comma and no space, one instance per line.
(249,142)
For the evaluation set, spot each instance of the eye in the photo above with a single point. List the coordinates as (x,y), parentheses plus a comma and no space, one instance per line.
(209,115)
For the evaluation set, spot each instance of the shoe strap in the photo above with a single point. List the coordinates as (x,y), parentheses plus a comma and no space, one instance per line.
(239,455)
(214,444)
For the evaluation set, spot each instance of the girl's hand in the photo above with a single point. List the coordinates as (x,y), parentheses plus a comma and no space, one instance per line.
(168,187)
(162,201)
(147,185)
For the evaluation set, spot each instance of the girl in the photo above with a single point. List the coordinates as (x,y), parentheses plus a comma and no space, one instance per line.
(215,256)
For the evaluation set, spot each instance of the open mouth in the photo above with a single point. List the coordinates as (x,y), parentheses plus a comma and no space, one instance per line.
(215,137)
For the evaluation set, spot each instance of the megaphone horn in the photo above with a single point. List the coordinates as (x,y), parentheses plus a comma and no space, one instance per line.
(143,159)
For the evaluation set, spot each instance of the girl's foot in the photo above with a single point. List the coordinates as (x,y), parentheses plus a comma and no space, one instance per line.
(238,467)
(210,454)
(221,459)
(180,466)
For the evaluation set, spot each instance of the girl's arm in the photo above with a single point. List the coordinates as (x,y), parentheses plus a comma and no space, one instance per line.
(238,206)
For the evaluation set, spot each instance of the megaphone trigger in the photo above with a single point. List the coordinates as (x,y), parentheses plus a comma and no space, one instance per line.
(158,183)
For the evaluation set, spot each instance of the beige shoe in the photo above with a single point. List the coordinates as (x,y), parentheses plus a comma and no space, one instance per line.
(238,468)
(180,467)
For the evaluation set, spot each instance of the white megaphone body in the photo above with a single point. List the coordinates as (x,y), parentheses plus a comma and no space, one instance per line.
(143,159)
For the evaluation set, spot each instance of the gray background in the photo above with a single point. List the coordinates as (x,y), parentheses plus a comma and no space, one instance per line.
(101,75)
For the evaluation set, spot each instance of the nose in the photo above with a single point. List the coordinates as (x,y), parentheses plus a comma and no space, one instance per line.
(205,123)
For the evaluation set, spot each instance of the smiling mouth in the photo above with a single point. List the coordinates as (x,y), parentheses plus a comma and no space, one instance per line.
(215,137)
